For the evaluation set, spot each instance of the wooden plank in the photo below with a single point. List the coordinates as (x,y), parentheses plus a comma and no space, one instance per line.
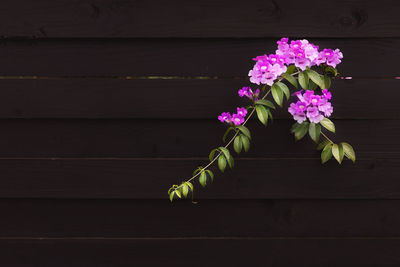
(181,138)
(150,179)
(255,18)
(232,218)
(200,252)
(178,98)
(180,57)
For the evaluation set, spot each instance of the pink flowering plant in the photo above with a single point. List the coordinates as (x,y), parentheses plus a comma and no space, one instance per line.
(305,68)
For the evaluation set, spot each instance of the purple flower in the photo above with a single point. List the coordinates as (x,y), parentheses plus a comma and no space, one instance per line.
(242,112)
(300,117)
(326,108)
(327,94)
(245,91)
(313,114)
(225,117)
(237,119)
(315,100)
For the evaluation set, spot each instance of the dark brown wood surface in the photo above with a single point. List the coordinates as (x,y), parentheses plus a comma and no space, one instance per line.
(180,18)
(105,104)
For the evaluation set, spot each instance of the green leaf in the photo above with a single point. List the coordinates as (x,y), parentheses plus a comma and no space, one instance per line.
(293,128)
(185,190)
(312,86)
(231,162)
(337,151)
(331,70)
(314,131)
(316,78)
(327,82)
(277,94)
(171,196)
(301,130)
(225,151)
(212,153)
(290,79)
(226,133)
(284,88)
(190,185)
(210,173)
(303,80)
(244,130)
(237,144)
(290,69)
(262,114)
(328,124)
(178,193)
(266,103)
(197,170)
(270,115)
(245,142)
(349,151)
(326,153)
(203,179)
(221,163)
(322,144)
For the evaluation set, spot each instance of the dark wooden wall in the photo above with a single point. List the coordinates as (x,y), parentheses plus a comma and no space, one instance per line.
(104,104)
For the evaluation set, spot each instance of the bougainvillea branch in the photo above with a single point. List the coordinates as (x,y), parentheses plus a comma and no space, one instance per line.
(300,64)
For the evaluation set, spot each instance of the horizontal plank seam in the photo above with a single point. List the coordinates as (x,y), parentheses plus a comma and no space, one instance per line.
(199,238)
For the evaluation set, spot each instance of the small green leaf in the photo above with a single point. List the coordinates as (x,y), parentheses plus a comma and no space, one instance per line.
(303,80)
(226,133)
(284,89)
(203,179)
(337,151)
(210,173)
(212,154)
(314,131)
(327,82)
(290,79)
(290,69)
(322,144)
(301,130)
(221,163)
(244,130)
(277,94)
(171,196)
(185,190)
(326,153)
(349,151)
(328,124)
(316,78)
(266,103)
(231,162)
(245,142)
(270,115)
(225,151)
(262,114)
(294,126)
(178,193)
(331,70)
(237,144)
(312,85)
(197,170)
(190,185)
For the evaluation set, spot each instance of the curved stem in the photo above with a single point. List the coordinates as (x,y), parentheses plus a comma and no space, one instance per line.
(233,138)
(326,137)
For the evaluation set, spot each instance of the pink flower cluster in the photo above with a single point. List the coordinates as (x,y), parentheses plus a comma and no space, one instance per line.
(311,106)
(236,118)
(246,91)
(301,53)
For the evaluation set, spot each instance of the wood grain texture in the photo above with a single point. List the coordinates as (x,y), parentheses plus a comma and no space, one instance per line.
(200,252)
(66,218)
(363,57)
(253,178)
(181,138)
(181,98)
(178,18)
